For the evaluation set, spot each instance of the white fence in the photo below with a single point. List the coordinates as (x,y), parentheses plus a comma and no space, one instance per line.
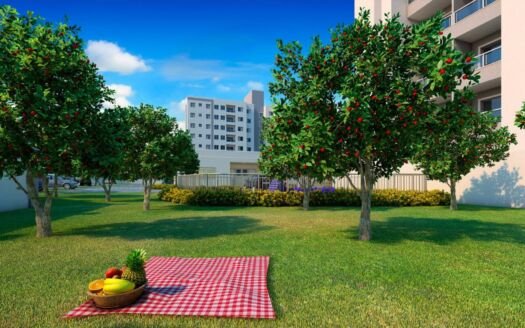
(417,182)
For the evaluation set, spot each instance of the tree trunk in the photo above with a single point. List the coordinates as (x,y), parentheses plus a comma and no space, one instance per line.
(42,211)
(365,225)
(453,198)
(107,189)
(147,193)
(55,187)
(306,199)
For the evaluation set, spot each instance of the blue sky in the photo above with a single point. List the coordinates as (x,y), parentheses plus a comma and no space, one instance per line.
(159,52)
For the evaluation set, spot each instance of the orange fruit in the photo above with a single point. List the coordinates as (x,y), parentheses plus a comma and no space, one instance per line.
(96,285)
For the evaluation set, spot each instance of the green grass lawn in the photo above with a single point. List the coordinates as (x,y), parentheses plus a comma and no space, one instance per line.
(425,267)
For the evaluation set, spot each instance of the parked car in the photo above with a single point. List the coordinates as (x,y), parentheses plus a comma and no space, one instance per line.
(65,182)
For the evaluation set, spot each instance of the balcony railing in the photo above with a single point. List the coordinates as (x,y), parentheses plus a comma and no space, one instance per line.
(446,22)
(471,8)
(488,57)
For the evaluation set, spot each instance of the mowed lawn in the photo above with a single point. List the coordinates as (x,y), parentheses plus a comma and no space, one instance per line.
(425,267)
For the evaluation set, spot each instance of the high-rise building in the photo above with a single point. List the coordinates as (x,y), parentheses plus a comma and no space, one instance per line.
(226,125)
(490,29)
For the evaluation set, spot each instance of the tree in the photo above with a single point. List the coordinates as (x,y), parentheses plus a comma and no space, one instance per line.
(387,76)
(158,149)
(470,139)
(103,155)
(297,138)
(49,90)
(520,118)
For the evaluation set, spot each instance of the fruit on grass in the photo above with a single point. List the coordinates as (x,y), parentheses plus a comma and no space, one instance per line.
(96,285)
(112,272)
(134,269)
(117,286)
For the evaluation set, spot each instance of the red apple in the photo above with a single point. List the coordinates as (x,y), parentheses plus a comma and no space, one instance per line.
(111,272)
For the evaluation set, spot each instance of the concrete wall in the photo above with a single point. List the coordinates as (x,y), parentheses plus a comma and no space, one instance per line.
(12,198)
(227,161)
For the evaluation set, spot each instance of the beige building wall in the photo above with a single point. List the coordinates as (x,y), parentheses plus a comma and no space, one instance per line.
(503,184)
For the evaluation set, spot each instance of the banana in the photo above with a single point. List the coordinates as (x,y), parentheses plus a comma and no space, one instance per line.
(117,286)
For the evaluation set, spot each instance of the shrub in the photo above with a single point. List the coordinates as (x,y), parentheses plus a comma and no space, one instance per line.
(230,196)
(160,186)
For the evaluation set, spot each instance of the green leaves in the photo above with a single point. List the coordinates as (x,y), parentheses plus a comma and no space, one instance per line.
(520,118)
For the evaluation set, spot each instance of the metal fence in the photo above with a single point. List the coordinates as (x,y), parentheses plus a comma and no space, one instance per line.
(417,182)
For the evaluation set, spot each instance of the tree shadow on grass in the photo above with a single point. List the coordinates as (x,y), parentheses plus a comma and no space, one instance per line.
(181,228)
(443,231)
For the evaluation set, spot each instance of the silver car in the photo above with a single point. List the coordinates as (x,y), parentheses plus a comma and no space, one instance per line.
(65,182)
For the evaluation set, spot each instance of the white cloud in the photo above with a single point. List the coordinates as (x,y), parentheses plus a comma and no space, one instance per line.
(224,88)
(182,125)
(183,68)
(109,57)
(176,107)
(255,85)
(121,95)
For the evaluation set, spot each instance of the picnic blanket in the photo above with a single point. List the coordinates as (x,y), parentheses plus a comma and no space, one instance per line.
(218,287)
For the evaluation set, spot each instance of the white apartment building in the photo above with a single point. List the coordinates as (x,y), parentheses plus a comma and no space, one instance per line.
(226,133)
(491,30)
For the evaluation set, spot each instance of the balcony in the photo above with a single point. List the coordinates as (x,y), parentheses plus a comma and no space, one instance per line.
(419,10)
(489,67)
(475,20)
(488,57)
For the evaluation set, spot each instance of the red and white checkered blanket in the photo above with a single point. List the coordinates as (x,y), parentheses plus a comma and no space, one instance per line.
(219,287)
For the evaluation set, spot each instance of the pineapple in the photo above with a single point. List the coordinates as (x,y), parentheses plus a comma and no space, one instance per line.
(134,269)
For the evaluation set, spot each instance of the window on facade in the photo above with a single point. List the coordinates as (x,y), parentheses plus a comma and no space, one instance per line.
(200,135)
(492,105)
(216,127)
(193,135)
(200,125)
(216,147)
(192,125)
(222,107)
(208,106)
(192,115)
(208,137)
(222,147)
(230,138)
(249,120)
(216,106)
(240,119)
(216,117)
(230,128)
(248,111)
(200,114)
(192,104)
(230,119)
(239,109)
(223,127)
(208,126)
(223,137)
(230,147)
(208,146)
(216,137)
(249,149)
(240,138)
(249,139)
(223,117)
(248,130)
(239,128)
(240,148)
(208,116)
(230,109)
(200,145)
(200,104)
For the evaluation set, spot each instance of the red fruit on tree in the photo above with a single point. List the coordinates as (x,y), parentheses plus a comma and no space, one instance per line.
(33,113)
(67,116)
(305,166)
(388,132)
(322,150)
(289,121)
(356,154)
(449,60)
(440,33)
(442,71)
(359,119)
(465,77)
(468,59)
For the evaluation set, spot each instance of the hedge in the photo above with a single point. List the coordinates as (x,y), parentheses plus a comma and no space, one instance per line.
(229,196)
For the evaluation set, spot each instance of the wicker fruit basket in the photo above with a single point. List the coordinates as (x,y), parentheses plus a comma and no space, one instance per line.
(116,301)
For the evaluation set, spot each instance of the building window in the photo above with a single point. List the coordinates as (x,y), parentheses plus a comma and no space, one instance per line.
(192,104)
(200,104)
(223,137)
(216,127)
(230,109)
(216,147)
(222,147)
(248,130)
(230,138)
(249,120)
(249,139)
(492,105)
(230,147)
(192,125)
(216,106)
(208,106)
(248,111)
(208,137)
(193,135)
(240,119)
(230,119)
(223,117)
(239,109)
(200,114)
(200,135)
(216,137)
(200,145)
(222,107)
(223,127)
(240,138)
(216,117)
(230,128)
(239,128)
(249,149)
(200,125)
(240,148)
(192,115)
(208,116)
(208,126)
(208,146)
